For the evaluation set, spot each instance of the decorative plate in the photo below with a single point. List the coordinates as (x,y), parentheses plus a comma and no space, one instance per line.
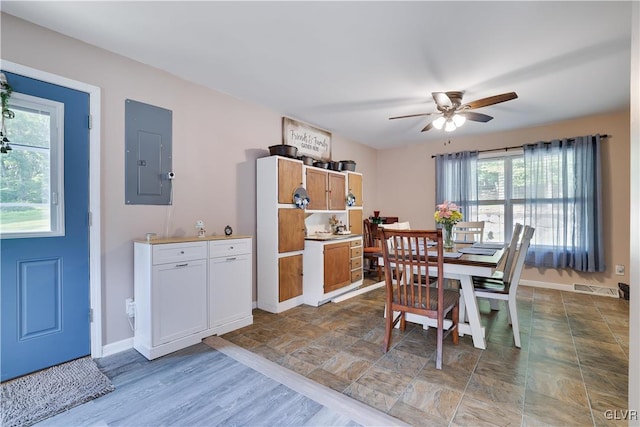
(351,199)
(300,198)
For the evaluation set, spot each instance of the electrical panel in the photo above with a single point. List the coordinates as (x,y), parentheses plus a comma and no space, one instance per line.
(148,145)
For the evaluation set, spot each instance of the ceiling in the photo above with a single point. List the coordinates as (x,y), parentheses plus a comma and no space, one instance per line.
(347,67)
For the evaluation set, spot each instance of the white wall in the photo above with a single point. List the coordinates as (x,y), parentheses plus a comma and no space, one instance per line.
(216,139)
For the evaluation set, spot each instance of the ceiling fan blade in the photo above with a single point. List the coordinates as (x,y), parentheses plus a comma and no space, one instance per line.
(442,100)
(476,117)
(412,115)
(427,127)
(491,100)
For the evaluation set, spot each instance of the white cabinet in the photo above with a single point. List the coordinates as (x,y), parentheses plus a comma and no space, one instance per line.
(332,268)
(186,290)
(280,234)
(178,300)
(229,274)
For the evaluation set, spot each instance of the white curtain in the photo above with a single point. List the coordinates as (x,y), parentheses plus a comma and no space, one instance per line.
(563,199)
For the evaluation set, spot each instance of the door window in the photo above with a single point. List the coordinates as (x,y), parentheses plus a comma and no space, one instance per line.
(31,174)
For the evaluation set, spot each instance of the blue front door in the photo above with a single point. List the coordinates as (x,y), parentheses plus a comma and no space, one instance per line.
(45,280)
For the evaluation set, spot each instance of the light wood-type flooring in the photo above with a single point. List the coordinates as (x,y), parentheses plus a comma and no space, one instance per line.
(572,369)
(200,386)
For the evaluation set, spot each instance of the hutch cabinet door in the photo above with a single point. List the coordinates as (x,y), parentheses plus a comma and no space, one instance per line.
(289,178)
(290,230)
(337,195)
(317,189)
(355,187)
(290,275)
(355,221)
(337,266)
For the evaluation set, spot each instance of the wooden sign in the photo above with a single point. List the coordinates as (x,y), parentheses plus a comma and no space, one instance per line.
(310,141)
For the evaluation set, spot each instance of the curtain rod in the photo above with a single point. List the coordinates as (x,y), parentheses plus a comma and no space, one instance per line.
(520,146)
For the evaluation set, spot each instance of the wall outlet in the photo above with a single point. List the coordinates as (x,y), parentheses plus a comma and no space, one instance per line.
(619,270)
(130,307)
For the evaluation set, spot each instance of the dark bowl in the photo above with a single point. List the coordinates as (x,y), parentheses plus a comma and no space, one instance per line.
(319,164)
(283,150)
(334,166)
(347,165)
(306,160)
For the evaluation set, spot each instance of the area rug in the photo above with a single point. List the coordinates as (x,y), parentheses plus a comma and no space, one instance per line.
(32,398)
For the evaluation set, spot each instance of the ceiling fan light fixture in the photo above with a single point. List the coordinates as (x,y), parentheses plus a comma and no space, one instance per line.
(439,123)
(450,126)
(459,120)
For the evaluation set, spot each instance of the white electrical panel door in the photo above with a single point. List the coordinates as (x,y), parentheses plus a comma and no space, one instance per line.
(178,300)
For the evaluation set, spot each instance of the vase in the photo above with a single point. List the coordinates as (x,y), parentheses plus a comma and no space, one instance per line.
(447,237)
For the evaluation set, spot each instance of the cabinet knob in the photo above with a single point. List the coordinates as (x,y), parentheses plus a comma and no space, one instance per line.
(181,252)
(230,248)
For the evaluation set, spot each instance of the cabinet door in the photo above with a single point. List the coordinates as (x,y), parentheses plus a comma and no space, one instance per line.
(290,277)
(337,194)
(355,221)
(355,187)
(289,178)
(337,266)
(317,189)
(178,300)
(229,289)
(290,230)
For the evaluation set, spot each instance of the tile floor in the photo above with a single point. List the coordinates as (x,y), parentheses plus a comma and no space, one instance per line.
(571,370)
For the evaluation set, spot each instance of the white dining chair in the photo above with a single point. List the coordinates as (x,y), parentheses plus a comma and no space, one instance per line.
(396,226)
(505,289)
(469,231)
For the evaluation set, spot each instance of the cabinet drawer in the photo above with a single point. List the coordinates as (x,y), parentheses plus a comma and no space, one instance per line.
(356,275)
(179,252)
(356,243)
(221,248)
(356,252)
(356,263)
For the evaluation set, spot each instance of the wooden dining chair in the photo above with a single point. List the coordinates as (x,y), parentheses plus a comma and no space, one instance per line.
(506,289)
(470,231)
(372,250)
(408,290)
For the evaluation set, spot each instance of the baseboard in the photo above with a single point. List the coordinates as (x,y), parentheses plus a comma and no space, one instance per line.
(357,291)
(579,288)
(117,347)
(547,285)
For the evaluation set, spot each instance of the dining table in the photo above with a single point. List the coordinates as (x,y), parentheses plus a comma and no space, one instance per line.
(461,263)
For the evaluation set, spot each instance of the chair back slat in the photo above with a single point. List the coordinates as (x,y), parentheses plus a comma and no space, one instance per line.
(522,254)
(511,252)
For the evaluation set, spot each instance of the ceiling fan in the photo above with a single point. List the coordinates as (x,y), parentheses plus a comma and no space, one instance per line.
(453,113)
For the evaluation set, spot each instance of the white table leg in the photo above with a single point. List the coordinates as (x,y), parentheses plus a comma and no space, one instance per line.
(471,306)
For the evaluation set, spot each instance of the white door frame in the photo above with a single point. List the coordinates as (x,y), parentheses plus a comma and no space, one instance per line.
(95,265)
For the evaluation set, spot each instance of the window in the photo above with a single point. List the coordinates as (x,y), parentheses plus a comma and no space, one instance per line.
(553,186)
(500,194)
(31,175)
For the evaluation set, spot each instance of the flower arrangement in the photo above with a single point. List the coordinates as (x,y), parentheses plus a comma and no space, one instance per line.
(448,214)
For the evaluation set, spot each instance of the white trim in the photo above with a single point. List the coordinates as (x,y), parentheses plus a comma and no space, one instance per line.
(95,255)
(116,347)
